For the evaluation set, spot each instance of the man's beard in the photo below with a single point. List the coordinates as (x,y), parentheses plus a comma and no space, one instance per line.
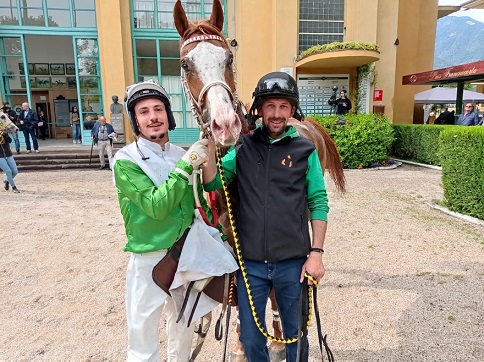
(160,136)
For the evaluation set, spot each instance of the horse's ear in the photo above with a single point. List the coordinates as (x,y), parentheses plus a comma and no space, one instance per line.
(217,17)
(180,17)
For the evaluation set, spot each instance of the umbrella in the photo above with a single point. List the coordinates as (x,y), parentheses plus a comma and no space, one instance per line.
(447,95)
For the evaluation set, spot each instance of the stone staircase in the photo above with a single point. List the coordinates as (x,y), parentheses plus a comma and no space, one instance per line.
(59,159)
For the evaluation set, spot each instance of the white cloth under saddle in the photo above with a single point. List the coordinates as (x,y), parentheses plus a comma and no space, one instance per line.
(204,255)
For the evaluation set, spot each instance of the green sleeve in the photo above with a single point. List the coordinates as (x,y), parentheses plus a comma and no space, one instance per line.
(155,202)
(229,171)
(316,189)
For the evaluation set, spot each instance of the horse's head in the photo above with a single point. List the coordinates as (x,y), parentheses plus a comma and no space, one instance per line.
(6,125)
(208,74)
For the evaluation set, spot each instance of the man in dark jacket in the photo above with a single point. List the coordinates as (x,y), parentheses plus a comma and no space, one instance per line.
(102,134)
(279,178)
(28,121)
(12,115)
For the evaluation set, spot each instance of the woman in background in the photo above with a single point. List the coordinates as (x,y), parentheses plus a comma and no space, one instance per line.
(42,125)
(76,125)
(7,162)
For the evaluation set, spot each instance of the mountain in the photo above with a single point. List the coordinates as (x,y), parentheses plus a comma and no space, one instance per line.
(458,41)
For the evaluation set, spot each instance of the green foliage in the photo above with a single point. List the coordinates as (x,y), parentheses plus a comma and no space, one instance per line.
(418,142)
(362,140)
(331,47)
(363,72)
(461,153)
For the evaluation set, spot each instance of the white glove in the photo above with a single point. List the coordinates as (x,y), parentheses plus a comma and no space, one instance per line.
(197,154)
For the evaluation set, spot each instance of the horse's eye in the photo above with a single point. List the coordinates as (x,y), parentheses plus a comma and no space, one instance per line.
(185,66)
(231,59)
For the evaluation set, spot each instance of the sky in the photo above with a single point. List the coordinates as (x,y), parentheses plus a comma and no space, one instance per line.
(477,14)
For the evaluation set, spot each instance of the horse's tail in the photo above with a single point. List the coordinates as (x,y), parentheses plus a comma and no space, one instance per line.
(329,156)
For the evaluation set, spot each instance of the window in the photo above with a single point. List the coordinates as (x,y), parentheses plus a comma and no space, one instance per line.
(158,14)
(320,22)
(49,13)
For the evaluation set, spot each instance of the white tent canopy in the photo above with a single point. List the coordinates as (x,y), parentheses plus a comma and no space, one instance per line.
(447,95)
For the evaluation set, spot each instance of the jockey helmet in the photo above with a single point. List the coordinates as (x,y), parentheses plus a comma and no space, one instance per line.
(275,85)
(143,90)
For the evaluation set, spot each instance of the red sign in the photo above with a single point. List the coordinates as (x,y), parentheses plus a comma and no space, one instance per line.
(470,71)
(378,95)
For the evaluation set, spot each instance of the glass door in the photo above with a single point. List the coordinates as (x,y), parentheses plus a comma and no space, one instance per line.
(88,81)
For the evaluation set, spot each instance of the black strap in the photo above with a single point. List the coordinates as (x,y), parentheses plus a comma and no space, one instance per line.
(321,338)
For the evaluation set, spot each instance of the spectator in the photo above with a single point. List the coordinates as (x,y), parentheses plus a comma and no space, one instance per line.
(7,162)
(28,121)
(468,117)
(76,125)
(342,104)
(42,126)
(102,135)
(12,115)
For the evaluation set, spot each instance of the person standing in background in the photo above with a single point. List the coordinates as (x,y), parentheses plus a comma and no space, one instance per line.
(7,162)
(342,104)
(42,126)
(28,121)
(468,117)
(76,125)
(102,136)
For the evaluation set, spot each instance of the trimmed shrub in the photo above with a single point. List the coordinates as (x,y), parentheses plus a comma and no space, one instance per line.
(363,140)
(461,152)
(417,142)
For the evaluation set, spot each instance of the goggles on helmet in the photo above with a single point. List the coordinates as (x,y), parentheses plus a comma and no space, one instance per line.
(271,84)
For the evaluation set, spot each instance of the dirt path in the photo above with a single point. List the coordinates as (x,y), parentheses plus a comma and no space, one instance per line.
(404,282)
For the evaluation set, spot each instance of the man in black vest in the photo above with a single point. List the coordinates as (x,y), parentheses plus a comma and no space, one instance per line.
(279,178)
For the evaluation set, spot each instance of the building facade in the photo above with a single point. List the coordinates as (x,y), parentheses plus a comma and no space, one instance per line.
(57,54)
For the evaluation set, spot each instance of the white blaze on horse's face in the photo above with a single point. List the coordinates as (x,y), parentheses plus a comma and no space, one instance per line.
(210,65)
(6,124)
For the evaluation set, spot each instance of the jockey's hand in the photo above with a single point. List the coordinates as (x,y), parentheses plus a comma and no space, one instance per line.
(197,154)
(313,266)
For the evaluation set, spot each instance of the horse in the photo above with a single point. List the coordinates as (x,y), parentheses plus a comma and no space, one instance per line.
(6,125)
(209,83)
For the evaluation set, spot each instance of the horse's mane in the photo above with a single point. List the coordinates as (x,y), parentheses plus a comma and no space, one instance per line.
(202,26)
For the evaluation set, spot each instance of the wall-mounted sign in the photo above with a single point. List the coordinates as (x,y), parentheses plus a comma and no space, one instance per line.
(378,95)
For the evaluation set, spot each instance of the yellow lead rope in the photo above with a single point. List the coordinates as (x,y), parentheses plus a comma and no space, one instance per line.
(244,272)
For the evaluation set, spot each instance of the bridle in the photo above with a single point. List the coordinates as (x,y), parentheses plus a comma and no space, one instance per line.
(196,104)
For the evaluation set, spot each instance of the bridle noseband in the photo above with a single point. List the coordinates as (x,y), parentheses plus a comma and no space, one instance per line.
(196,104)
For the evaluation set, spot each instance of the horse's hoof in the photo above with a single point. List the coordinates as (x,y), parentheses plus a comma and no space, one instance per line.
(277,352)
(238,357)
(238,354)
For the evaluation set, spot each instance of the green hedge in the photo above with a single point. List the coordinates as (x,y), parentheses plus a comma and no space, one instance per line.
(461,153)
(363,140)
(418,142)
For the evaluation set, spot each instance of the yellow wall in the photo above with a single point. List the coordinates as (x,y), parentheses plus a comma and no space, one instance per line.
(116,55)
(415,52)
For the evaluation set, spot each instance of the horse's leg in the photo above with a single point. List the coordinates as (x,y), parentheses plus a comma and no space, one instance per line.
(238,354)
(277,351)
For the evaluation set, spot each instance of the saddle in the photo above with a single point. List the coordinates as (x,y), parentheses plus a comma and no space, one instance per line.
(218,288)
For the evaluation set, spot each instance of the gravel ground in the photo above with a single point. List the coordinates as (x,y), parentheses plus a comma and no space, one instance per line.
(404,282)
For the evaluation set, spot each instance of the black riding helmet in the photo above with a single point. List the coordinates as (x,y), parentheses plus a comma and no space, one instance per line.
(142,90)
(275,85)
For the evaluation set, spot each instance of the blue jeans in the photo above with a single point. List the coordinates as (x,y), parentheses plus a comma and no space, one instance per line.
(76,131)
(31,132)
(8,165)
(284,278)
(16,141)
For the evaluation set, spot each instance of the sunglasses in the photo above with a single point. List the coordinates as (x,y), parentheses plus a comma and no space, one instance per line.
(270,85)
